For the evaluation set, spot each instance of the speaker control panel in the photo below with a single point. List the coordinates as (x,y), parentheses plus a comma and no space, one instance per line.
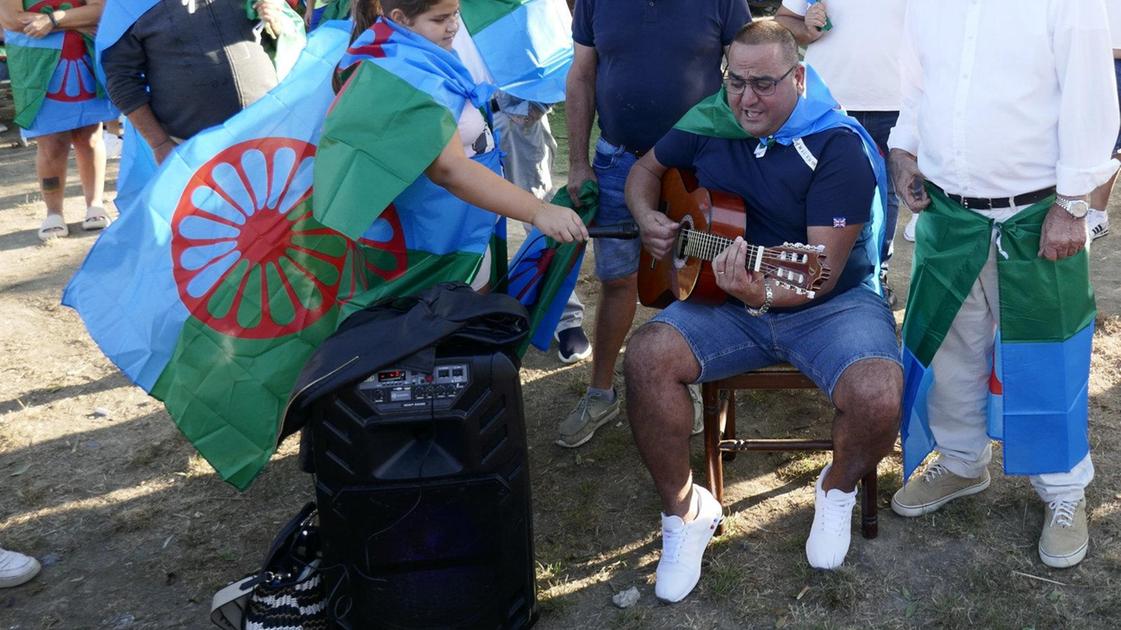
(400,389)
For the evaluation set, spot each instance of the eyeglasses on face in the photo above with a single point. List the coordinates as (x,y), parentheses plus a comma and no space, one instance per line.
(762,86)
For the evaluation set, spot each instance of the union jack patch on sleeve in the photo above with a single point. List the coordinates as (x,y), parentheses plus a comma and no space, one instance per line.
(839,222)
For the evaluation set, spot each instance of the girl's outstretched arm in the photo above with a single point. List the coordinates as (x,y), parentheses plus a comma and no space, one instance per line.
(479,186)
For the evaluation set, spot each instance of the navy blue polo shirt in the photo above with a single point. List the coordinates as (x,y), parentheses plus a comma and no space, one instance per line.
(782,194)
(655,60)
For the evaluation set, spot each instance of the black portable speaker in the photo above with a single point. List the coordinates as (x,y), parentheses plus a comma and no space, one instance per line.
(423,489)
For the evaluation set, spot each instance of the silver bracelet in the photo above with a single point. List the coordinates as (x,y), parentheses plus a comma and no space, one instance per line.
(768,299)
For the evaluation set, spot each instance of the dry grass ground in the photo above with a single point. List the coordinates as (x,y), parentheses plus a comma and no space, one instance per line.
(137,532)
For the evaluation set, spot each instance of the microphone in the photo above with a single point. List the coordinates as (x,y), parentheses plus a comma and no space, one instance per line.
(618,230)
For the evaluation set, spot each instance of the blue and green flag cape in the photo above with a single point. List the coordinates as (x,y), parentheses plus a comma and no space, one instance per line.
(215,286)
(398,108)
(1040,371)
(526,44)
(54,86)
(217,283)
(815,111)
(138,165)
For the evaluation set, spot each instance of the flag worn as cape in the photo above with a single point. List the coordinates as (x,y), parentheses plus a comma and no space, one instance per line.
(526,44)
(815,111)
(1041,366)
(544,272)
(54,87)
(395,113)
(117,17)
(138,164)
(214,288)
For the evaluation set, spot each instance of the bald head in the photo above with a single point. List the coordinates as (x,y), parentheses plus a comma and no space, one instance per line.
(764,32)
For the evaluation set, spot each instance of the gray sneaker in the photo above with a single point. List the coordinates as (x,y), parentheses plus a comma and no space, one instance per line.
(935,487)
(592,412)
(1065,535)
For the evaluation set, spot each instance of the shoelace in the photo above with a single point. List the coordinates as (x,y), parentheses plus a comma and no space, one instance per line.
(672,542)
(586,404)
(1062,513)
(836,516)
(934,472)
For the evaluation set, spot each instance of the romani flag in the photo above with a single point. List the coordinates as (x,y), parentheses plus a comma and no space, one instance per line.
(54,86)
(212,291)
(526,44)
(544,272)
(1040,372)
(138,165)
(398,108)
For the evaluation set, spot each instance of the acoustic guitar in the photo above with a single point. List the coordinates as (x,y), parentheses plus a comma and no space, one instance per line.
(710,221)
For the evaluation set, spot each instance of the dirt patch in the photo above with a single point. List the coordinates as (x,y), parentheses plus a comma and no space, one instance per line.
(135,530)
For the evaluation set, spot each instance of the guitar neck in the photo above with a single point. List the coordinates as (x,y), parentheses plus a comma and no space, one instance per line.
(706,246)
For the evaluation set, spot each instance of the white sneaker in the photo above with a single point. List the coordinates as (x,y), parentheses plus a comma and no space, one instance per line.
(1097,221)
(16,568)
(909,229)
(832,528)
(683,547)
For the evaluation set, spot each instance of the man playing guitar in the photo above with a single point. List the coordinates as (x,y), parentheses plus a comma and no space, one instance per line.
(812,179)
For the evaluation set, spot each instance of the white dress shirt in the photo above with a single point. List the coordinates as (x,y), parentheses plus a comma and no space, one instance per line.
(859,57)
(1113,8)
(1004,97)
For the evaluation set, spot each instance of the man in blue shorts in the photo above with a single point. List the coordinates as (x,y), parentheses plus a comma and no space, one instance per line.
(640,66)
(811,180)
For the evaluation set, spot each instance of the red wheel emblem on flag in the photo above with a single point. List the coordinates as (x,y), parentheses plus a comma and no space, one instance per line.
(387,239)
(378,256)
(249,260)
(72,81)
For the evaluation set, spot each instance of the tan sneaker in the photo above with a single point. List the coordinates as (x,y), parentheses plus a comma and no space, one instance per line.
(590,413)
(1065,535)
(935,487)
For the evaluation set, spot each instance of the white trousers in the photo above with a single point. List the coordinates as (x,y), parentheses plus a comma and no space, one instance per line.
(958,400)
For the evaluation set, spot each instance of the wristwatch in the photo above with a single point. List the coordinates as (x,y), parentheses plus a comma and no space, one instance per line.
(1075,206)
(768,298)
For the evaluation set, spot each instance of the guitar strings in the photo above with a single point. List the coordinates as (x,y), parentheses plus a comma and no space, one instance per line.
(706,244)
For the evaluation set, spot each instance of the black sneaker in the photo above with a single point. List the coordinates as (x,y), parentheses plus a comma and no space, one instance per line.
(572,345)
(889,294)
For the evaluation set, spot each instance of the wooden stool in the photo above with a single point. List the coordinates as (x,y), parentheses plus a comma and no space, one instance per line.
(720,433)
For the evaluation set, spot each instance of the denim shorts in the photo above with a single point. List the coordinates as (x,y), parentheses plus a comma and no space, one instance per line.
(615,258)
(821,341)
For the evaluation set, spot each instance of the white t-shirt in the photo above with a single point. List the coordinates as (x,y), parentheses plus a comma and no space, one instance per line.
(1113,8)
(859,57)
(473,129)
